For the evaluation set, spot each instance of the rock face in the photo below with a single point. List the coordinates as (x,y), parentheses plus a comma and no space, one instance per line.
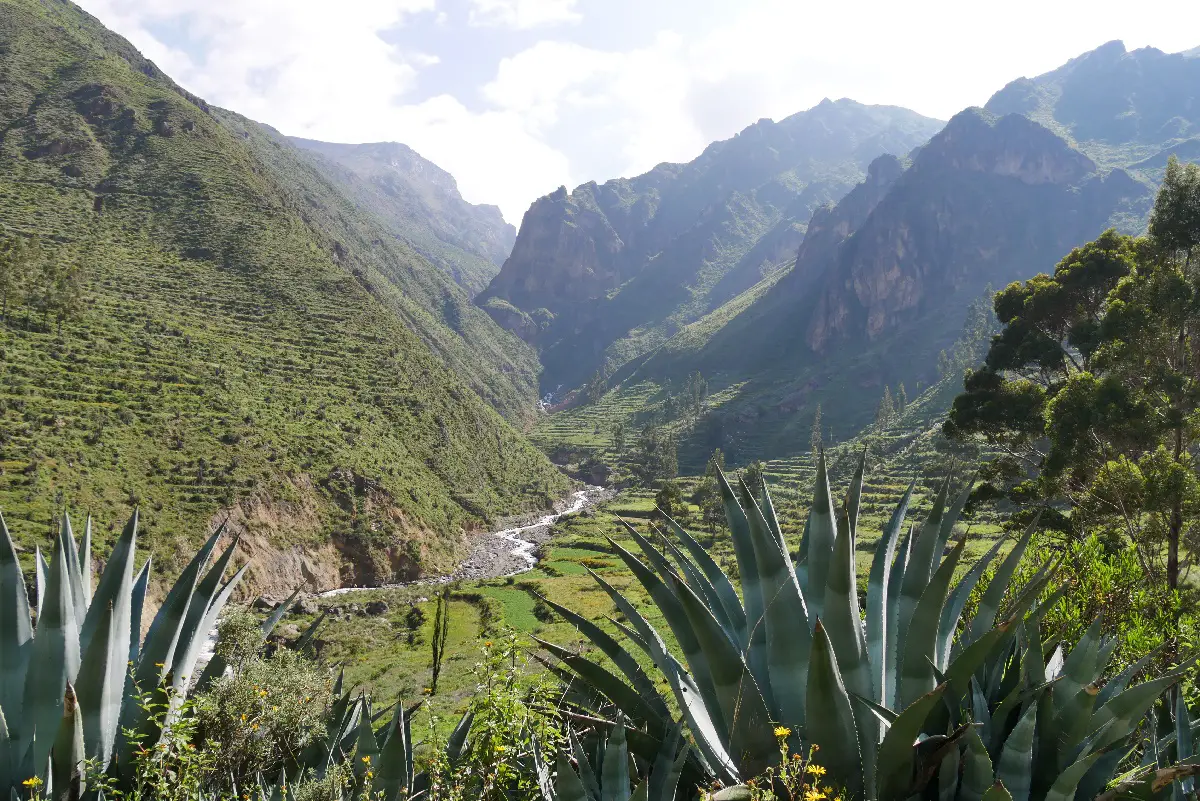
(609,271)
(985,199)
(420,204)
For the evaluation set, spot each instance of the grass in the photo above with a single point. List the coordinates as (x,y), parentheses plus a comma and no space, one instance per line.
(232,357)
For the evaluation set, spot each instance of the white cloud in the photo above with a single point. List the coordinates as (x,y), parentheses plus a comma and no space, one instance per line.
(523,14)
(560,111)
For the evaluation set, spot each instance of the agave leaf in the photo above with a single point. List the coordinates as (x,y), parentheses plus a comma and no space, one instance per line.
(885,716)
(1183,741)
(752,590)
(74,572)
(272,620)
(625,697)
(1015,766)
(741,701)
(709,733)
(42,574)
(1066,783)
(614,784)
(997,792)
(768,512)
(896,757)
(668,766)
(16,628)
(922,560)
(1079,668)
(891,653)
(395,767)
(843,626)
(136,603)
(831,721)
(1120,715)
(85,562)
(619,656)
(977,775)
(54,654)
(720,582)
(877,592)
(541,769)
(920,640)
(785,618)
(568,786)
(113,591)
(456,743)
(102,684)
(681,626)
(953,609)
(194,639)
(821,532)
(951,516)
(587,776)
(989,604)
(700,583)
(367,747)
(948,776)
(854,495)
(159,646)
(1118,683)
(67,755)
(1073,717)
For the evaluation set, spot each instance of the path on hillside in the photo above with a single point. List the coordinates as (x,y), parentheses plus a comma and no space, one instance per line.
(500,553)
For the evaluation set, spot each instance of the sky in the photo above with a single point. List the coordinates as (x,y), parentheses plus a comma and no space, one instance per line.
(518,97)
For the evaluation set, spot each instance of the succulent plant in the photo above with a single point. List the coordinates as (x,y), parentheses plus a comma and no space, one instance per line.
(902,698)
(70,686)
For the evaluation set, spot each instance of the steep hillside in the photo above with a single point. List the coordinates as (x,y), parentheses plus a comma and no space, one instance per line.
(1122,108)
(419,203)
(606,273)
(242,351)
(882,281)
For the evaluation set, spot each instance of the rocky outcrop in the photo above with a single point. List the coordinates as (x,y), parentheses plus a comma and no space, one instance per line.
(615,269)
(988,200)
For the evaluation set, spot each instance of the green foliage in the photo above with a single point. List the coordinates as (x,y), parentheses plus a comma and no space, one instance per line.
(262,716)
(227,349)
(512,713)
(1091,387)
(655,458)
(90,641)
(668,501)
(437,643)
(791,647)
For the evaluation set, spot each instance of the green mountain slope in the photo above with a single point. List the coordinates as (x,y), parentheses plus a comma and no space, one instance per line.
(882,281)
(242,352)
(419,203)
(608,272)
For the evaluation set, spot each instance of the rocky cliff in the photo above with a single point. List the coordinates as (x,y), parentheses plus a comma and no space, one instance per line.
(419,203)
(609,271)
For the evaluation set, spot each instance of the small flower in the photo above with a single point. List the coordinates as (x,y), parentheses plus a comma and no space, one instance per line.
(782,731)
(813,795)
(814,769)
(33,781)
(262,693)
(367,760)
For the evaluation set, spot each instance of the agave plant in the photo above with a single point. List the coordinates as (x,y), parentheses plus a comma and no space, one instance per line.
(894,698)
(605,775)
(71,686)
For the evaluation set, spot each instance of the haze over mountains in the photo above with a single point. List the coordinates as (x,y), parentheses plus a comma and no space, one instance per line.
(311,337)
(883,276)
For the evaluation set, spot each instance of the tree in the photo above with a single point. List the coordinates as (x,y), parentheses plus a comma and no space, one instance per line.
(707,496)
(716,462)
(886,409)
(596,387)
(66,298)
(697,392)
(901,399)
(753,476)
(669,500)
(656,457)
(814,440)
(618,437)
(11,273)
(1092,388)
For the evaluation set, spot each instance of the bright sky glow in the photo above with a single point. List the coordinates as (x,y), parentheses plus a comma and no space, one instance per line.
(516,97)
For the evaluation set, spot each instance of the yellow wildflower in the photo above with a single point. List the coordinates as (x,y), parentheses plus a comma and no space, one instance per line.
(813,795)
(367,759)
(815,769)
(33,781)
(782,731)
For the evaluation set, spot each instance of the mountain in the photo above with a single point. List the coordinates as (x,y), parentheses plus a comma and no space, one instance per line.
(606,273)
(1129,109)
(252,346)
(883,280)
(418,202)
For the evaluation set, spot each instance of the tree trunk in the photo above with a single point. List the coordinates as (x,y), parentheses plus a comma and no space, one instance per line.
(1175,529)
